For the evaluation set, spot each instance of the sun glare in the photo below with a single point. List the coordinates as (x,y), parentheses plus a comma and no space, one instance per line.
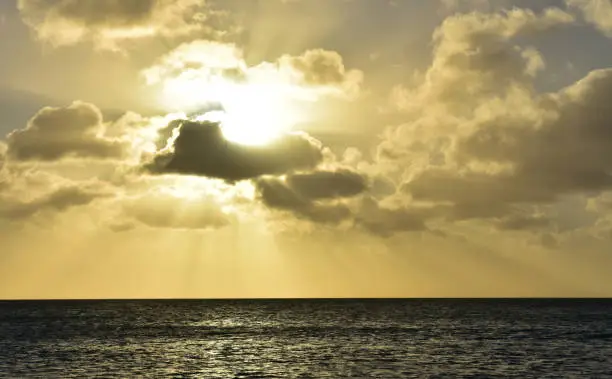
(252,113)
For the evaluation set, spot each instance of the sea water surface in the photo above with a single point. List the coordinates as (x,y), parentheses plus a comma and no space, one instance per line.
(306,338)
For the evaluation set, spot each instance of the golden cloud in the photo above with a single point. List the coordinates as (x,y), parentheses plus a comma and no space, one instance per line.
(73,131)
(109,23)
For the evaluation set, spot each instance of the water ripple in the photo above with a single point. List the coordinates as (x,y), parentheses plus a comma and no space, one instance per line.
(277,339)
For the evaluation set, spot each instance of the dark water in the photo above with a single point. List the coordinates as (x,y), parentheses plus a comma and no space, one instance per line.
(345,338)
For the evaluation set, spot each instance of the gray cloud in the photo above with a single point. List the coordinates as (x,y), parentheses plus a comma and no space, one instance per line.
(321,205)
(328,184)
(382,187)
(113,12)
(3,149)
(109,22)
(59,200)
(451,6)
(200,149)
(5,178)
(522,222)
(290,196)
(472,187)
(55,133)
(567,151)
(384,221)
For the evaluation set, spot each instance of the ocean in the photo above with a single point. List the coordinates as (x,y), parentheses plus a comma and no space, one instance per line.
(306,338)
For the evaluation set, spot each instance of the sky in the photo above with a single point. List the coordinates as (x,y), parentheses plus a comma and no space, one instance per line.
(305,148)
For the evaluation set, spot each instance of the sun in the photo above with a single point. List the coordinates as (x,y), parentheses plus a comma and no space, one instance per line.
(252,113)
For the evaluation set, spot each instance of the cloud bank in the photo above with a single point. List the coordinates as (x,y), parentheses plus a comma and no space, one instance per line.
(477,140)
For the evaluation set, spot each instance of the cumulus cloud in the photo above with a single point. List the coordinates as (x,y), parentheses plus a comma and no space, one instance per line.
(386,221)
(200,149)
(480,142)
(596,12)
(576,119)
(478,70)
(475,60)
(341,195)
(159,210)
(204,58)
(476,143)
(301,192)
(73,131)
(320,67)
(202,72)
(327,184)
(479,138)
(58,200)
(277,194)
(198,58)
(108,23)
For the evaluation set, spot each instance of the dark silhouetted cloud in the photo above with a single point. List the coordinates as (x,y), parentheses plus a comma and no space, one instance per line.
(200,149)
(314,196)
(301,193)
(276,194)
